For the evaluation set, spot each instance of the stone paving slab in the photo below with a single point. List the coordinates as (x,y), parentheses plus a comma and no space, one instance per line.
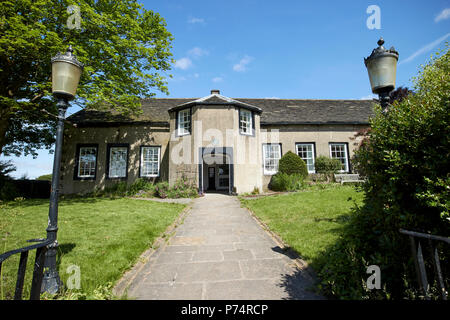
(221,252)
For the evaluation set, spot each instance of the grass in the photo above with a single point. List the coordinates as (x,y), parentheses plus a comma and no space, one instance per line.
(308,221)
(103,236)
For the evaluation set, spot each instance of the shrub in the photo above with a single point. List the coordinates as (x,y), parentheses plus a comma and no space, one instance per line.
(162,189)
(291,163)
(405,160)
(286,182)
(8,190)
(183,188)
(142,187)
(327,165)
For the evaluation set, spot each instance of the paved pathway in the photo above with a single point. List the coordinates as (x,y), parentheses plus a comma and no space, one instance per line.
(220,252)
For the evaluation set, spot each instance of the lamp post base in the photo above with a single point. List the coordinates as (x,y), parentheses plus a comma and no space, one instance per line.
(51,283)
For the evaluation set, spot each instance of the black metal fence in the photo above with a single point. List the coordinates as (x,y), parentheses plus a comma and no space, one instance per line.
(38,272)
(417,240)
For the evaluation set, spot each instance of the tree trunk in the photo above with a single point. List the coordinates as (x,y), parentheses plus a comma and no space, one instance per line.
(5,115)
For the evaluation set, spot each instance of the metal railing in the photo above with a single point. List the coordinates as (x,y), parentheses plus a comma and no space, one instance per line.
(38,272)
(416,239)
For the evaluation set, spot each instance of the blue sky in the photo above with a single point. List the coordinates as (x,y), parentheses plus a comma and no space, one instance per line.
(286,49)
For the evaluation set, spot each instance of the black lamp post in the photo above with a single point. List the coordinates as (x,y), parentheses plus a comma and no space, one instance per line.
(66,72)
(382,68)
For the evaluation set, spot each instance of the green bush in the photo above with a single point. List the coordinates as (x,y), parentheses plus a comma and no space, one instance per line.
(162,189)
(183,188)
(8,190)
(327,165)
(405,159)
(142,187)
(286,182)
(291,163)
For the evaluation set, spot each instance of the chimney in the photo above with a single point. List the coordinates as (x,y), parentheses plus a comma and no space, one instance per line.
(215,91)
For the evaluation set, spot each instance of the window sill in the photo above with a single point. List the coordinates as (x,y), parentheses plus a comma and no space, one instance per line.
(117,178)
(84,178)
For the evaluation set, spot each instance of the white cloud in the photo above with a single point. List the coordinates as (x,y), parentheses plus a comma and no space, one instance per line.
(196,75)
(424,49)
(183,63)
(369,97)
(197,52)
(217,79)
(443,15)
(242,65)
(196,20)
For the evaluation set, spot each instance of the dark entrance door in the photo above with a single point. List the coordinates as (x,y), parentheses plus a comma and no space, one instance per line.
(211,178)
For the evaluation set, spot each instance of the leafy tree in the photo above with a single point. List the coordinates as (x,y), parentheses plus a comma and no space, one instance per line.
(396,95)
(7,189)
(125,49)
(406,163)
(45,177)
(6,167)
(399,94)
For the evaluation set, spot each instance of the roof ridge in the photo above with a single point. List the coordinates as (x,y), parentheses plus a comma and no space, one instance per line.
(307,99)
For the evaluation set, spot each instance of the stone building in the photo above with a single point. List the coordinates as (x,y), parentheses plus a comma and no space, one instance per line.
(220,143)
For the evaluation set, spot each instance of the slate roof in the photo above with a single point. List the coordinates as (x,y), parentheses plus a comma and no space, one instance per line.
(273,111)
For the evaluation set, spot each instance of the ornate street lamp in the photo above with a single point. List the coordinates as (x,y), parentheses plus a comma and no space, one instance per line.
(66,73)
(382,68)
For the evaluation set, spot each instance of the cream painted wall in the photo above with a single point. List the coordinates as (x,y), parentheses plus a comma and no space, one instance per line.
(136,136)
(217,126)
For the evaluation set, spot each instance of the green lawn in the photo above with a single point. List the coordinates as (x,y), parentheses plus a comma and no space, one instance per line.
(103,236)
(308,221)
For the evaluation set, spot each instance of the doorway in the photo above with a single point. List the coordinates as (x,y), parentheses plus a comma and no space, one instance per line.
(211,178)
(216,170)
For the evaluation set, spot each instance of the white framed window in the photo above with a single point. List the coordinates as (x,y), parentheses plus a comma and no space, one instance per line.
(306,152)
(184,122)
(87,162)
(118,157)
(245,122)
(271,156)
(150,160)
(340,151)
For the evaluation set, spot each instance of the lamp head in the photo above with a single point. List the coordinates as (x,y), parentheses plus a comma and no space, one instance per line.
(382,68)
(66,73)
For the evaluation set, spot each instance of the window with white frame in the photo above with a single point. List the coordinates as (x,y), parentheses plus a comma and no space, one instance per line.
(184,122)
(245,122)
(339,151)
(150,159)
(271,156)
(87,162)
(118,157)
(306,152)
